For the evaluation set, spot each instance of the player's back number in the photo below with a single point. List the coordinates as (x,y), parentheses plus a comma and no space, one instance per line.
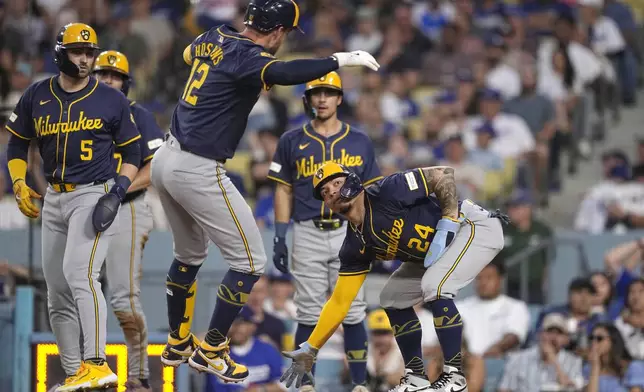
(198,76)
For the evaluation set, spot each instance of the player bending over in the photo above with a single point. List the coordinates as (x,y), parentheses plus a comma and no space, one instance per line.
(415,217)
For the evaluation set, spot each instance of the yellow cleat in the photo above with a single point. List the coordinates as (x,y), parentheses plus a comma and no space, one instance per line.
(217,361)
(90,377)
(178,351)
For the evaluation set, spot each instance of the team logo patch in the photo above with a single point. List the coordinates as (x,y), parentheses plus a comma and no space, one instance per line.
(85,34)
(13,117)
(319,174)
(111,59)
(275,167)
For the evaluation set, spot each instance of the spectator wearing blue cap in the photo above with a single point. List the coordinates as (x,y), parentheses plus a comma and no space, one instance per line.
(513,137)
(482,155)
(263,360)
(500,76)
(525,231)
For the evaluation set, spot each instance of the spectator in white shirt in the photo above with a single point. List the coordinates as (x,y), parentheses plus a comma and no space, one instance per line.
(367,37)
(500,75)
(495,324)
(514,138)
(385,365)
(482,156)
(631,322)
(604,36)
(280,293)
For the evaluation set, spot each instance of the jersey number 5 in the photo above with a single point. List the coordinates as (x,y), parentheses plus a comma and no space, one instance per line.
(197,77)
(86,150)
(423,232)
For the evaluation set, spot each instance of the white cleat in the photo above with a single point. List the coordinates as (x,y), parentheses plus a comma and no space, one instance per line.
(451,380)
(307,388)
(411,382)
(359,388)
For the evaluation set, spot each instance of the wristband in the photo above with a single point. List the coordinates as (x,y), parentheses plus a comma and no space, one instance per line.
(121,184)
(280,229)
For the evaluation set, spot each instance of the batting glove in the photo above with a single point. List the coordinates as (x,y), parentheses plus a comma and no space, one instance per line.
(303,360)
(356,58)
(280,254)
(108,205)
(446,230)
(23,195)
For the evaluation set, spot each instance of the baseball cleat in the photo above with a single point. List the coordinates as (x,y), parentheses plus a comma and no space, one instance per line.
(451,380)
(90,377)
(359,388)
(411,382)
(306,388)
(177,351)
(216,361)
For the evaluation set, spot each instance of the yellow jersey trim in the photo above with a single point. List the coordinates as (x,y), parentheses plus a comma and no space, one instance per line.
(125,143)
(375,179)
(261,76)
(278,180)
(422,175)
(17,134)
(233,37)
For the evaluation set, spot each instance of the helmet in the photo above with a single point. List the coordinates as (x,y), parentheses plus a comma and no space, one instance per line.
(111,60)
(330,170)
(73,35)
(377,320)
(331,81)
(267,15)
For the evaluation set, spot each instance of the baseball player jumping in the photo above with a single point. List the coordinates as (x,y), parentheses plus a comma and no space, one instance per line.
(229,71)
(125,253)
(77,122)
(318,232)
(416,217)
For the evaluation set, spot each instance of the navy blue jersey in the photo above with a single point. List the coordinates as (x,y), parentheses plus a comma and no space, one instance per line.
(76,132)
(225,82)
(302,151)
(151,135)
(399,224)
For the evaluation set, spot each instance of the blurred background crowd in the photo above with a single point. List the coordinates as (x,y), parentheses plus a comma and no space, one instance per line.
(516,95)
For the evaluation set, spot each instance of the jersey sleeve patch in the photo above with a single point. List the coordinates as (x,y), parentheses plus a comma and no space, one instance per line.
(13,117)
(412,184)
(275,167)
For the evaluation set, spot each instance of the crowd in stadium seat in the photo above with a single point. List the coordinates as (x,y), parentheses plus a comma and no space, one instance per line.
(500,90)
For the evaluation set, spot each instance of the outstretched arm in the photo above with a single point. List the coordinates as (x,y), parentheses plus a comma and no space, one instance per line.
(336,308)
(440,181)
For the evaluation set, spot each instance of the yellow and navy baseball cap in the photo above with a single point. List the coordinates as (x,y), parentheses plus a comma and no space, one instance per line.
(331,81)
(377,321)
(111,60)
(77,35)
(327,172)
(268,15)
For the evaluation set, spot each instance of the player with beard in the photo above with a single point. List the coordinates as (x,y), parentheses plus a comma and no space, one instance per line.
(318,232)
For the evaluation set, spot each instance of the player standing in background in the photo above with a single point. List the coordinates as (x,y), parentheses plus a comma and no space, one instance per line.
(415,217)
(77,122)
(318,232)
(229,71)
(135,224)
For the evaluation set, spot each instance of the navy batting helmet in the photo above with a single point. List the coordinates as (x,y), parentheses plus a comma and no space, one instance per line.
(330,170)
(268,15)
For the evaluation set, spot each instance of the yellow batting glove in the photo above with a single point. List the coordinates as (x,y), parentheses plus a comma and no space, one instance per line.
(23,196)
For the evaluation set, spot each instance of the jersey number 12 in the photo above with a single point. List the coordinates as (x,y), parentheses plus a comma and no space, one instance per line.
(197,78)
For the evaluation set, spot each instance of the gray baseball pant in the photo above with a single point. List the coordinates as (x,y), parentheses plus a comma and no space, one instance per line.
(478,241)
(203,205)
(72,257)
(123,271)
(315,266)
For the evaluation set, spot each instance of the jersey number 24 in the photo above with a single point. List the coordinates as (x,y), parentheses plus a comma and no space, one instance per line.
(197,78)
(416,243)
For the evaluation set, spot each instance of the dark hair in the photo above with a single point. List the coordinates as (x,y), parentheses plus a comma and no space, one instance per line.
(499,266)
(611,293)
(618,357)
(628,291)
